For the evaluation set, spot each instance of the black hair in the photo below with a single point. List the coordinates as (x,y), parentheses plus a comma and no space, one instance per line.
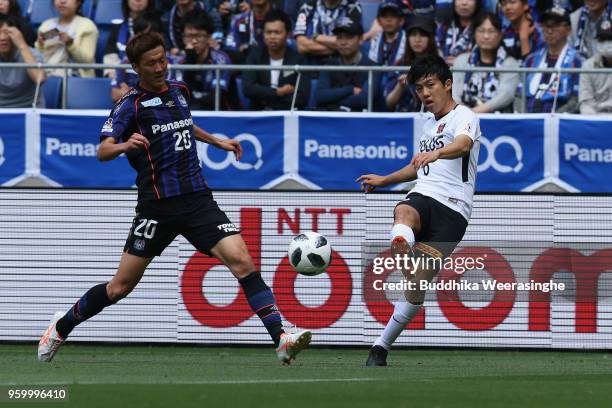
(278,15)
(484,16)
(148,21)
(10,21)
(429,65)
(199,20)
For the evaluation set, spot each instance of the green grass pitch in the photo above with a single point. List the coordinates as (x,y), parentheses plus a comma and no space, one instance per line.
(140,376)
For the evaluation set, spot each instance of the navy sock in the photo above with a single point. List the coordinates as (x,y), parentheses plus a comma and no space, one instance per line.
(89,305)
(262,302)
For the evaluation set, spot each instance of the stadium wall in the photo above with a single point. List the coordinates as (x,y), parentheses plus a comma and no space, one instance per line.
(57,243)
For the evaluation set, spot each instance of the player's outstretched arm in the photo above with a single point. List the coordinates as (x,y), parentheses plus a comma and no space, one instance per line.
(225,144)
(110,149)
(369,182)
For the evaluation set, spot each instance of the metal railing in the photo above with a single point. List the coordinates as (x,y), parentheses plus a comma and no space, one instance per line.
(300,69)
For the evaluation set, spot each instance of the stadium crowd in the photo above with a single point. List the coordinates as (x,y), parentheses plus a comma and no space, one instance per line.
(467,33)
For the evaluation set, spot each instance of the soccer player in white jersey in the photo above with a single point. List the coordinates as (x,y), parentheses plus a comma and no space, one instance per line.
(432,219)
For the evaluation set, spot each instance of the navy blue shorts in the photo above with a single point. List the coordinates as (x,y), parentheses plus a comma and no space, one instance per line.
(195,216)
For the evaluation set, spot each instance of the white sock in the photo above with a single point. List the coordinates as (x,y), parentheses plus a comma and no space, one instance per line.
(402,315)
(404,231)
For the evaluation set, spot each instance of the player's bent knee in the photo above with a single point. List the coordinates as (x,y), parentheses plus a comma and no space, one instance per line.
(118,290)
(242,265)
(405,214)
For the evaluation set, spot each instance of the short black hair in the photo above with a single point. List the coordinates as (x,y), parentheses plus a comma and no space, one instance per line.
(429,65)
(10,21)
(484,16)
(148,20)
(278,15)
(199,20)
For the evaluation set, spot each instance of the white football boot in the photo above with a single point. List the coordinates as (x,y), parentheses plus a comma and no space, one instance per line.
(50,341)
(291,343)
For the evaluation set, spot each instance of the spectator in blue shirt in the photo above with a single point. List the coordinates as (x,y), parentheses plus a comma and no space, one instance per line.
(456,34)
(389,46)
(546,90)
(197,30)
(316,22)
(246,29)
(522,35)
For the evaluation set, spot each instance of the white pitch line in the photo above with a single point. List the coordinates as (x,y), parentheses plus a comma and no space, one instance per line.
(194,382)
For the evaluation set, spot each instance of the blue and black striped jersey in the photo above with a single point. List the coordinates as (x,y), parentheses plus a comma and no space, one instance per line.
(169,166)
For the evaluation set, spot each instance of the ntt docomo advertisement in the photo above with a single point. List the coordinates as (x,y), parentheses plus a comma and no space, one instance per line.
(513,281)
(494,293)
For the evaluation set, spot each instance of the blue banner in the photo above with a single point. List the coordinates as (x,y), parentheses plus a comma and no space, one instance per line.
(12,146)
(511,154)
(68,147)
(585,154)
(262,140)
(334,151)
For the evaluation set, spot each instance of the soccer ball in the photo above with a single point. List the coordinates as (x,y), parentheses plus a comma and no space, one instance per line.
(310,253)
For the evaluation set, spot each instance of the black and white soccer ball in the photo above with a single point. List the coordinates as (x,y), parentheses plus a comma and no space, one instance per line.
(310,253)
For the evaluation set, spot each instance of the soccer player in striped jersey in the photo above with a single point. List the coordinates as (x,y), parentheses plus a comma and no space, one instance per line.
(152,125)
(432,219)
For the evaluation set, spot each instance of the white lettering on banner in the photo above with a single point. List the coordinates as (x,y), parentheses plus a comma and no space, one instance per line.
(491,160)
(587,155)
(55,146)
(1,152)
(230,159)
(326,151)
(172,125)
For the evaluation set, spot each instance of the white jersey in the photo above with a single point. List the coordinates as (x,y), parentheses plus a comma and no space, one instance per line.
(450,181)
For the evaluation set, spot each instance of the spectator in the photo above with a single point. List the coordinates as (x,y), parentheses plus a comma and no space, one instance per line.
(346,90)
(114,52)
(455,35)
(175,23)
(584,25)
(273,90)
(389,46)
(399,96)
(229,9)
(595,95)
(12,8)
(126,79)
(486,92)
(18,86)
(198,28)
(522,36)
(408,8)
(316,22)
(68,38)
(544,90)
(246,29)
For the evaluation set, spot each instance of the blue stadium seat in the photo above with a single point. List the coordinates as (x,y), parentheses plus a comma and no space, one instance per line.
(88,93)
(369,10)
(43,10)
(52,92)
(108,12)
(246,102)
(312,99)
(25,6)
(104,32)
